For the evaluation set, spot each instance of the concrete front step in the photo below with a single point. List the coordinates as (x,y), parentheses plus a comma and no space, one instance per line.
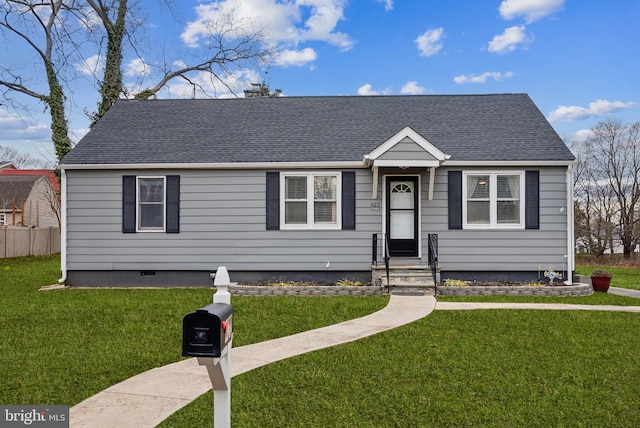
(405,278)
(412,282)
(422,290)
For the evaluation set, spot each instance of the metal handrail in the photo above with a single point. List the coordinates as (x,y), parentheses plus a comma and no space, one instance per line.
(386,257)
(384,246)
(433,256)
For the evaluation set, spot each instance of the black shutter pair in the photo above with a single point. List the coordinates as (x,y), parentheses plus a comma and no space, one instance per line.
(348,200)
(531,208)
(172,204)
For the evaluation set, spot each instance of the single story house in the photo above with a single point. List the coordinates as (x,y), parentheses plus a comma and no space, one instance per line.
(162,192)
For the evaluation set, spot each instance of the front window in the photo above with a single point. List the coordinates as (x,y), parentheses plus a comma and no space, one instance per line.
(493,200)
(310,200)
(151,203)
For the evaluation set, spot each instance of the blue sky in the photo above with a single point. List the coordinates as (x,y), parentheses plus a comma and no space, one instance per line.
(579,60)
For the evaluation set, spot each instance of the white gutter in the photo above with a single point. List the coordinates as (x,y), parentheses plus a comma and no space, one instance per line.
(365,163)
(529,163)
(230,165)
(63,226)
(570,227)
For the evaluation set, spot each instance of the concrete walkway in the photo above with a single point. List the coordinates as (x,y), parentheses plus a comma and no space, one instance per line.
(625,292)
(147,399)
(461,306)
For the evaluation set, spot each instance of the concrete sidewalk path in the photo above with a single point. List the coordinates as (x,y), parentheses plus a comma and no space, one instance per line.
(149,398)
(625,292)
(461,306)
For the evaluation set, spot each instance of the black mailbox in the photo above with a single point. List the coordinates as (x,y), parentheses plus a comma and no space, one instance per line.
(207,331)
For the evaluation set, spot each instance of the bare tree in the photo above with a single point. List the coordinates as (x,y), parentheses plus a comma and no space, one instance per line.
(52,30)
(19,160)
(230,44)
(609,186)
(38,24)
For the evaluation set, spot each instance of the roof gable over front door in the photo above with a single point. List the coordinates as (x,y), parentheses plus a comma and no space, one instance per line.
(406,148)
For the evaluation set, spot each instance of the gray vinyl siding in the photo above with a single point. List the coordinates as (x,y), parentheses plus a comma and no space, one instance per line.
(406,149)
(222,223)
(501,250)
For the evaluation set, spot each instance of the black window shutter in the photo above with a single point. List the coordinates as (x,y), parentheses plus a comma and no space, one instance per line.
(455,199)
(532,200)
(273,200)
(349,200)
(173,203)
(128,204)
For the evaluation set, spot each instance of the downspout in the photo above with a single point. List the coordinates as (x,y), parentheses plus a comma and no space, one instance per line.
(570,227)
(63,225)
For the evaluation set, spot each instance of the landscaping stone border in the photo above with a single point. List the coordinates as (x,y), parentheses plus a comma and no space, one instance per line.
(469,290)
(546,291)
(305,290)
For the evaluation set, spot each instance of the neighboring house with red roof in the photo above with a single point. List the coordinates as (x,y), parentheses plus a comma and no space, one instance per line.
(49,174)
(29,199)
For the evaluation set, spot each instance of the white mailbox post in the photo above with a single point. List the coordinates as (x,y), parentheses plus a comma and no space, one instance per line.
(208,334)
(220,368)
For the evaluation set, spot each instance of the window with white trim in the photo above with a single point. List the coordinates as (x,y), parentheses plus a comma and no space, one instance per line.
(150,203)
(310,200)
(493,200)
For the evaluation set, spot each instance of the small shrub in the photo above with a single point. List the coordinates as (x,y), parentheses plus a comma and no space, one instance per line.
(601,273)
(280,284)
(346,282)
(449,282)
(535,284)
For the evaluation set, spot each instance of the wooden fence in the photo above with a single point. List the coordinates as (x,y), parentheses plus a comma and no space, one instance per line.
(16,241)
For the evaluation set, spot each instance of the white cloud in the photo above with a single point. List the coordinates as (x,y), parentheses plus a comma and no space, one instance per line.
(429,43)
(289,57)
(282,22)
(482,78)
(412,88)
(388,4)
(531,10)
(90,66)
(509,40)
(209,86)
(596,108)
(21,128)
(366,89)
(137,67)
(582,135)
(179,64)
(88,18)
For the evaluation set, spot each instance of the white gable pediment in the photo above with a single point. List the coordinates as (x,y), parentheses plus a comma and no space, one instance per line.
(406,148)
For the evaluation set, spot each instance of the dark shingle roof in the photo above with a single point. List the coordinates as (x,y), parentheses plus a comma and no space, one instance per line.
(501,127)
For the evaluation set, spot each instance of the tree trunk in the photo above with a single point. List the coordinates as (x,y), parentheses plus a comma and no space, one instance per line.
(111,87)
(59,124)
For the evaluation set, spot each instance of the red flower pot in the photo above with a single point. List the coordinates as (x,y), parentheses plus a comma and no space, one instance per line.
(600,283)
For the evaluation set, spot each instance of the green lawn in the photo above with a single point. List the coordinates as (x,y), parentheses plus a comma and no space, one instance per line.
(466,368)
(623,277)
(60,347)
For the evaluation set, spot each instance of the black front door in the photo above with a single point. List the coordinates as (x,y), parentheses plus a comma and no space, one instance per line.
(402,216)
